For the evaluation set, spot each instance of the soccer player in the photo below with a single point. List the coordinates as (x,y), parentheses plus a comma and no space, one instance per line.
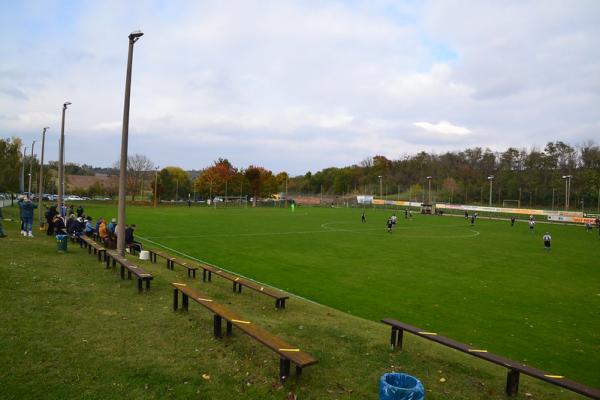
(389,225)
(531,225)
(363,219)
(466,215)
(512,221)
(405,214)
(472,219)
(547,238)
(394,220)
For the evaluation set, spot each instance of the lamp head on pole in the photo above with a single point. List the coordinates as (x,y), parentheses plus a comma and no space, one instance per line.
(429,177)
(67,103)
(491,178)
(46,128)
(135,35)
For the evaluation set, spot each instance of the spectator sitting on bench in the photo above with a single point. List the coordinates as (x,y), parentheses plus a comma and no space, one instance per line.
(103,233)
(71,222)
(59,225)
(112,233)
(129,240)
(89,227)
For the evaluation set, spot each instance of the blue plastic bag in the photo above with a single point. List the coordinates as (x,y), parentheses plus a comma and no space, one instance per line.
(397,386)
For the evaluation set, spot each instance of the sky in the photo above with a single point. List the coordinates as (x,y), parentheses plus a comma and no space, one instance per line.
(299,86)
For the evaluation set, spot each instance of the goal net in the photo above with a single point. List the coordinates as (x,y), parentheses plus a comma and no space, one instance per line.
(511,203)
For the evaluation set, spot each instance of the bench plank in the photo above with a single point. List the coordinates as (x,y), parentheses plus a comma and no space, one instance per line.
(286,351)
(131,268)
(514,368)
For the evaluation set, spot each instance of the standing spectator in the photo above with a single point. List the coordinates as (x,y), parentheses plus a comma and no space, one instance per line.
(2,235)
(59,225)
(27,213)
(71,210)
(20,204)
(79,212)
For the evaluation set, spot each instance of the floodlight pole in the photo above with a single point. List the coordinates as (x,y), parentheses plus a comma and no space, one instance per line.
(553,190)
(61,160)
(155,187)
(491,179)
(133,37)
(567,179)
(429,184)
(22,183)
(380,186)
(30,170)
(40,188)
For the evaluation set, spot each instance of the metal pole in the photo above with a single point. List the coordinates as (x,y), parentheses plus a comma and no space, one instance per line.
(133,37)
(41,186)
(22,183)
(566,194)
(553,189)
(30,170)
(491,184)
(61,167)
(155,187)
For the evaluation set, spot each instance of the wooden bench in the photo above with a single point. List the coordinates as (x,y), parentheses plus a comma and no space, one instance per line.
(279,296)
(514,368)
(287,353)
(130,267)
(85,241)
(172,261)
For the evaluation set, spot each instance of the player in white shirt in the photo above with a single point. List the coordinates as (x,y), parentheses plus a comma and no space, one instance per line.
(547,238)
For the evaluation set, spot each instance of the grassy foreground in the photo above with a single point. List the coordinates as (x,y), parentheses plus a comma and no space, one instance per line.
(71,329)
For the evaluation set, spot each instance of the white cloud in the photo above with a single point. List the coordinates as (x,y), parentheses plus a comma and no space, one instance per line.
(443,128)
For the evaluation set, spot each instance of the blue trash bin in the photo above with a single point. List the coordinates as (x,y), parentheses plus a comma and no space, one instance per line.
(61,243)
(397,386)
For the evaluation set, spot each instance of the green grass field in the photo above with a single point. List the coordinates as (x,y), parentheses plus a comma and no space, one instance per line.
(490,285)
(71,329)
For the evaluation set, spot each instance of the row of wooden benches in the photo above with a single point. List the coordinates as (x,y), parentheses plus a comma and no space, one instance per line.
(208,270)
(288,354)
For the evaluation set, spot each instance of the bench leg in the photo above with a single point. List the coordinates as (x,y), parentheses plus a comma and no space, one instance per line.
(185,301)
(107,259)
(122,272)
(229,328)
(147,284)
(396,338)
(189,273)
(175,299)
(139,285)
(284,369)
(280,304)
(234,287)
(194,273)
(512,382)
(203,275)
(217,326)
(209,276)
(128,274)
(239,288)
(298,371)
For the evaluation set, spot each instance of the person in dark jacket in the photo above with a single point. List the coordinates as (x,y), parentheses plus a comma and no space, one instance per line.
(129,240)
(71,222)
(59,225)
(50,214)
(27,214)
(20,204)
(79,212)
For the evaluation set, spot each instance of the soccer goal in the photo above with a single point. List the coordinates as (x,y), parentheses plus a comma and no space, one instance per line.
(511,203)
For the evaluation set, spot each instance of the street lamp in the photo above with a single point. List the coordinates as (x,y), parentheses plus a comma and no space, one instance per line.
(491,179)
(22,182)
(40,188)
(429,178)
(61,160)
(380,186)
(156,187)
(30,171)
(567,179)
(133,37)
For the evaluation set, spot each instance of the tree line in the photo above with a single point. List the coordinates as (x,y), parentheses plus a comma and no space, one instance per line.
(532,176)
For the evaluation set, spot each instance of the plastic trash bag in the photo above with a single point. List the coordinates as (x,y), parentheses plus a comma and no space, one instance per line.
(397,386)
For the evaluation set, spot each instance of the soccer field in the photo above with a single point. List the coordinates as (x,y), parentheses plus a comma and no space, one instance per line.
(489,284)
